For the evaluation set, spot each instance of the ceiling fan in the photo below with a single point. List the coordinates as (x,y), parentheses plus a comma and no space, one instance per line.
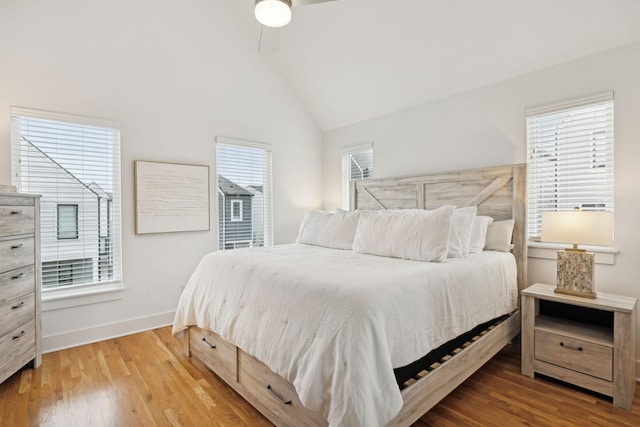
(273,14)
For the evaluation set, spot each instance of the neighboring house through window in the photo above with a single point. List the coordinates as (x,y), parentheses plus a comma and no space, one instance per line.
(67,221)
(74,163)
(244,194)
(569,158)
(357,163)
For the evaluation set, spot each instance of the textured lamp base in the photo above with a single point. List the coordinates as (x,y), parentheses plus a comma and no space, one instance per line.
(576,273)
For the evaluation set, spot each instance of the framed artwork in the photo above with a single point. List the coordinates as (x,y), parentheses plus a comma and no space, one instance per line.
(171,197)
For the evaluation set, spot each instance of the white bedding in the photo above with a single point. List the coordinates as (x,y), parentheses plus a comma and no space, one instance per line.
(335,322)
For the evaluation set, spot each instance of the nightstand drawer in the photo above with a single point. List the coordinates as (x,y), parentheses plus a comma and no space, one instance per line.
(575,354)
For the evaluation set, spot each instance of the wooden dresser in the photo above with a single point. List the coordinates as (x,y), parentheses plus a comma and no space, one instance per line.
(19,282)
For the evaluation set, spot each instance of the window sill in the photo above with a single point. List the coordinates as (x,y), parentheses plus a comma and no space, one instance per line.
(604,254)
(56,299)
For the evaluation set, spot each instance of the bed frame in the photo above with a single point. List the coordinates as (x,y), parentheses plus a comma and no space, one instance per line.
(499,192)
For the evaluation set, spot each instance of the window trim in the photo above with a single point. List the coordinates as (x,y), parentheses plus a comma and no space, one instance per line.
(64,117)
(60,298)
(93,292)
(546,250)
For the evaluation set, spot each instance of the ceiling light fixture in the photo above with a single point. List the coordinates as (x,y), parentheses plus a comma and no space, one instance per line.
(273,13)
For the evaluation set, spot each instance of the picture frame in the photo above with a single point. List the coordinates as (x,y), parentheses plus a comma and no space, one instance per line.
(171,197)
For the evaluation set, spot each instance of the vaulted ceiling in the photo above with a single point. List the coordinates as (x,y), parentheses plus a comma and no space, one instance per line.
(351,60)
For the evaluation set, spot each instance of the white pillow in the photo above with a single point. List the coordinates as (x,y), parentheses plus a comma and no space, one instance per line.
(328,229)
(499,236)
(479,233)
(460,234)
(421,236)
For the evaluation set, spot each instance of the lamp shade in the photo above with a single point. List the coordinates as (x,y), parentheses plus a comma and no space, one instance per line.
(578,227)
(273,13)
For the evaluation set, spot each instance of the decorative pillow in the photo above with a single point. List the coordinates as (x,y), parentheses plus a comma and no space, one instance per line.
(499,236)
(420,236)
(328,229)
(479,233)
(460,234)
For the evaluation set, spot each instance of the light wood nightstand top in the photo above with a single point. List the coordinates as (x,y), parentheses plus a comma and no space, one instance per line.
(604,301)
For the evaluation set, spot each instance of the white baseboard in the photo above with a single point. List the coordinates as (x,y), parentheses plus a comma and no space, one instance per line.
(94,334)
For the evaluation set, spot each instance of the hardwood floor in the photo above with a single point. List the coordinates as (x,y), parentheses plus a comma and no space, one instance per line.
(146,380)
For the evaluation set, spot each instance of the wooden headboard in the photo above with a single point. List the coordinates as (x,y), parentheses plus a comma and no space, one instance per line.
(499,192)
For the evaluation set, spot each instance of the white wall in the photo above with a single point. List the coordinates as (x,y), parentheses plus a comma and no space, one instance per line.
(175,74)
(486,127)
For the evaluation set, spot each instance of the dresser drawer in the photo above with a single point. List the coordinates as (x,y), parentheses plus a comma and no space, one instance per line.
(16,220)
(16,253)
(275,396)
(16,283)
(219,355)
(575,354)
(17,342)
(17,312)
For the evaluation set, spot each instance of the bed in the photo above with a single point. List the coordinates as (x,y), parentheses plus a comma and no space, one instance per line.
(322,333)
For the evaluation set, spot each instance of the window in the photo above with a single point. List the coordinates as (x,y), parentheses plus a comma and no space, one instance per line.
(244,194)
(236,210)
(67,222)
(357,163)
(570,158)
(74,163)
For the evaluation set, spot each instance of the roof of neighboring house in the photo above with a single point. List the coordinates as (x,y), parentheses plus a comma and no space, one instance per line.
(48,157)
(99,190)
(255,189)
(230,188)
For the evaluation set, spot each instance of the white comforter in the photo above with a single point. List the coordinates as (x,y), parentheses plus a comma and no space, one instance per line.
(335,323)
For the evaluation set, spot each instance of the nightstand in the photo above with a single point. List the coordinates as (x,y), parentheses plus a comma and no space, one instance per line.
(587,342)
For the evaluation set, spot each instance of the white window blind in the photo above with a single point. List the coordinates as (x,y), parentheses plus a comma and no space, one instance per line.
(244,194)
(74,163)
(357,163)
(570,158)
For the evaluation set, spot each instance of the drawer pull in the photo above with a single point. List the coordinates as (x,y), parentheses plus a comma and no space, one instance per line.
(17,276)
(18,246)
(20,335)
(207,344)
(16,212)
(15,307)
(277,396)
(570,346)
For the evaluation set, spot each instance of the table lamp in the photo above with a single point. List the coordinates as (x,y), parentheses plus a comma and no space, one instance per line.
(576,266)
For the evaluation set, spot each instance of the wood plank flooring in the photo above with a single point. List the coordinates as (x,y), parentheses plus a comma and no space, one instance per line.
(146,380)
